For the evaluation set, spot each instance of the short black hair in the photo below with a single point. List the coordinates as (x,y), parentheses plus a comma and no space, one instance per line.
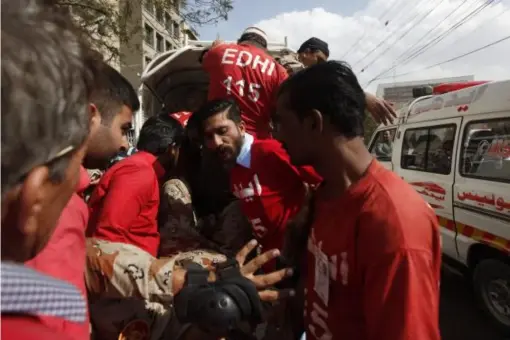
(158,134)
(112,92)
(314,45)
(333,89)
(253,38)
(212,108)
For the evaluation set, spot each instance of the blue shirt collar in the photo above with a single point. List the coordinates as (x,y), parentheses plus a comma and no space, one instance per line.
(244,157)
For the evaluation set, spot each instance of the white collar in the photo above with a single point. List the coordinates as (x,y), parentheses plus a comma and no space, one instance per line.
(244,157)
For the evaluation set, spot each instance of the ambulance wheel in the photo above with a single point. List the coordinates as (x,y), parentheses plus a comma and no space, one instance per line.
(491,281)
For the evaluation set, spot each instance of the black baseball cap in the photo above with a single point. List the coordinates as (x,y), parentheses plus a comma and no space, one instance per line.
(315,44)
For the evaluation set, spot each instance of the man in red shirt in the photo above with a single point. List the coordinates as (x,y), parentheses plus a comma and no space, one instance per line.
(271,190)
(246,72)
(41,161)
(112,103)
(374,249)
(124,205)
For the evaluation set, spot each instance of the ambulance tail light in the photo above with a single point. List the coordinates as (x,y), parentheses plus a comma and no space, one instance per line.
(450,87)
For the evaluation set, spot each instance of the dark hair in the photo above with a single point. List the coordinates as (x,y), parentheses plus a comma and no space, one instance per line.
(112,92)
(331,88)
(46,83)
(212,108)
(158,134)
(254,39)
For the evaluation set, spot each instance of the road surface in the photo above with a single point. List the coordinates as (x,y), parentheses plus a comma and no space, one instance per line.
(459,317)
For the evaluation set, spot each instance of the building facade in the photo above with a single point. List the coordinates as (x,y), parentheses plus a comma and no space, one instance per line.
(155,31)
(401,93)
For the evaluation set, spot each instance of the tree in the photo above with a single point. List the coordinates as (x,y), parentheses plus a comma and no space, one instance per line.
(107,21)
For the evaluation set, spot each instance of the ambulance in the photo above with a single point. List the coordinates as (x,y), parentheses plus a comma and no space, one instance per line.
(452,144)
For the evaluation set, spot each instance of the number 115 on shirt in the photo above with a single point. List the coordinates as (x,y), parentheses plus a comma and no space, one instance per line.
(240,86)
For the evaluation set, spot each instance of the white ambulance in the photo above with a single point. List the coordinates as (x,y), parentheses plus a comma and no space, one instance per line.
(453,147)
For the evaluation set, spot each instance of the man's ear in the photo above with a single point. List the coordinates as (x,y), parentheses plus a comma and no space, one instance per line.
(34,190)
(314,121)
(242,127)
(95,118)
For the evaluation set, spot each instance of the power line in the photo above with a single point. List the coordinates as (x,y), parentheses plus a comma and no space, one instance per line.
(437,39)
(432,29)
(357,42)
(441,37)
(442,62)
(404,34)
(383,40)
(476,28)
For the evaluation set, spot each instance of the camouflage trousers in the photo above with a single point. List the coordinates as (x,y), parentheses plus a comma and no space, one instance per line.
(131,293)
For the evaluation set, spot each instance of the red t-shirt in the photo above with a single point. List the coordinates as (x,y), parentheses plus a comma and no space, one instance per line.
(64,257)
(270,188)
(251,76)
(27,327)
(124,205)
(374,259)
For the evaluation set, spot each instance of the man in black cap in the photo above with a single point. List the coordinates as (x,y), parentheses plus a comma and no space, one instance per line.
(313,51)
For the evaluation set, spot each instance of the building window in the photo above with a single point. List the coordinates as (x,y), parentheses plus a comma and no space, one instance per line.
(149,35)
(168,46)
(176,30)
(485,150)
(159,15)
(168,22)
(428,149)
(160,44)
(382,145)
(147,61)
(149,6)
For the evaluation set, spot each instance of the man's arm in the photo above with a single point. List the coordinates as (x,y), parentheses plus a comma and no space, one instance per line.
(128,192)
(123,270)
(401,297)
(209,59)
(400,268)
(381,110)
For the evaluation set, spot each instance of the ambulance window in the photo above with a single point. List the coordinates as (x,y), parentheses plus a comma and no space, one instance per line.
(428,149)
(382,145)
(486,150)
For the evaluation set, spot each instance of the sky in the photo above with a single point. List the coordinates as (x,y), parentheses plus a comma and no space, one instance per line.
(387,41)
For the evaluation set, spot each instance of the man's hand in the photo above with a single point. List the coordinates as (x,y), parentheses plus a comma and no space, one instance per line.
(381,110)
(265,280)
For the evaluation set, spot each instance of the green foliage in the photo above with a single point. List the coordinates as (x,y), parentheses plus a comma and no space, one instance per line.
(108,21)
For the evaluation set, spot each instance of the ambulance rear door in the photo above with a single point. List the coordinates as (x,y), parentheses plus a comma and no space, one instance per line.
(482,186)
(424,156)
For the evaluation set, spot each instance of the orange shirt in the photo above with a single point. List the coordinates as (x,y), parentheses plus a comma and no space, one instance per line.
(374,259)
